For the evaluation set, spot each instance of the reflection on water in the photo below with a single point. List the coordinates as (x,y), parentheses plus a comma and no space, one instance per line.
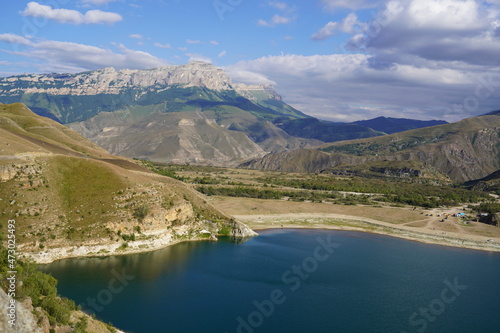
(145,266)
(370,283)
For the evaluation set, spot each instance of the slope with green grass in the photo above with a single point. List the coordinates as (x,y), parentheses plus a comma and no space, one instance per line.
(67,193)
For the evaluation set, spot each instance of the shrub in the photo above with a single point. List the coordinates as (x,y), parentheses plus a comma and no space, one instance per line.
(141,212)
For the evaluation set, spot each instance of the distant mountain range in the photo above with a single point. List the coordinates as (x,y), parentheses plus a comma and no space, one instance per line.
(458,152)
(395,125)
(183,114)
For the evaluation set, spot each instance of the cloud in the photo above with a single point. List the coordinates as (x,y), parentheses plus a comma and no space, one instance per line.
(288,14)
(345,87)
(327,31)
(15,39)
(163,46)
(70,16)
(214,42)
(223,53)
(275,20)
(434,30)
(57,56)
(136,36)
(190,41)
(333,5)
(198,57)
(238,74)
(279,5)
(347,25)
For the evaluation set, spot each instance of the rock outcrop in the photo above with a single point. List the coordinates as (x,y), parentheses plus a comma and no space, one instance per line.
(25,321)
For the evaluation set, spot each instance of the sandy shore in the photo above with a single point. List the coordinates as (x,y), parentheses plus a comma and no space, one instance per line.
(356,223)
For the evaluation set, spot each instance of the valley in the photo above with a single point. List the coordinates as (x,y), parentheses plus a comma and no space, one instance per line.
(401,207)
(108,163)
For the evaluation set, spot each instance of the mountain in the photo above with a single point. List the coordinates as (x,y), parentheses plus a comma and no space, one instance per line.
(184,114)
(458,152)
(490,183)
(312,128)
(395,125)
(70,197)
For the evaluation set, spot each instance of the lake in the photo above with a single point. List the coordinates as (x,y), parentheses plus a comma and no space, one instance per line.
(290,281)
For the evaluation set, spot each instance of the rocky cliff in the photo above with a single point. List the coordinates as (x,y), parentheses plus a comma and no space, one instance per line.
(111,81)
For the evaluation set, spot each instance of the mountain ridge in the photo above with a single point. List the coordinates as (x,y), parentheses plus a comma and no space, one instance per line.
(461,151)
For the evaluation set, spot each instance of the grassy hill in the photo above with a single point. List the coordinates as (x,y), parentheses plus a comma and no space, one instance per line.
(461,151)
(65,191)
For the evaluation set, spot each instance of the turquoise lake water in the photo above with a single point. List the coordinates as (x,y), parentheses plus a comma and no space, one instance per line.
(291,281)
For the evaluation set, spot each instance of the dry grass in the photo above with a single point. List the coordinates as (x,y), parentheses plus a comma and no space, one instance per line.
(245,206)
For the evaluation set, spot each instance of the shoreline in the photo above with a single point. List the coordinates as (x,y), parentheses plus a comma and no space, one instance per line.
(358,224)
(162,240)
(272,221)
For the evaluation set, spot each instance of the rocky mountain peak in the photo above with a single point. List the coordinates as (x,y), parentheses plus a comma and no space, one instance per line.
(112,81)
(255,92)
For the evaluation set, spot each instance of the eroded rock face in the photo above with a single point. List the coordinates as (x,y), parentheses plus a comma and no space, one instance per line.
(25,321)
(253,92)
(111,81)
(10,171)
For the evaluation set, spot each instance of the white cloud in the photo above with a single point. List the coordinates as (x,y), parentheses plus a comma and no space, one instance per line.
(70,16)
(136,36)
(163,46)
(433,30)
(198,57)
(347,25)
(328,30)
(214,42)
(15,39)
(444,14)
(333,86)
(238,74)
(333,5)
(275,20)
(56,56)
(223,53)
(190,41)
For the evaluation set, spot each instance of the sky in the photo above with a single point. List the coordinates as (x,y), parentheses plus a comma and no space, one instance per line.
(339,60)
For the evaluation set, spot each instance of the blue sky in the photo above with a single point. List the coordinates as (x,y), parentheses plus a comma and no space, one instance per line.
(341,60)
